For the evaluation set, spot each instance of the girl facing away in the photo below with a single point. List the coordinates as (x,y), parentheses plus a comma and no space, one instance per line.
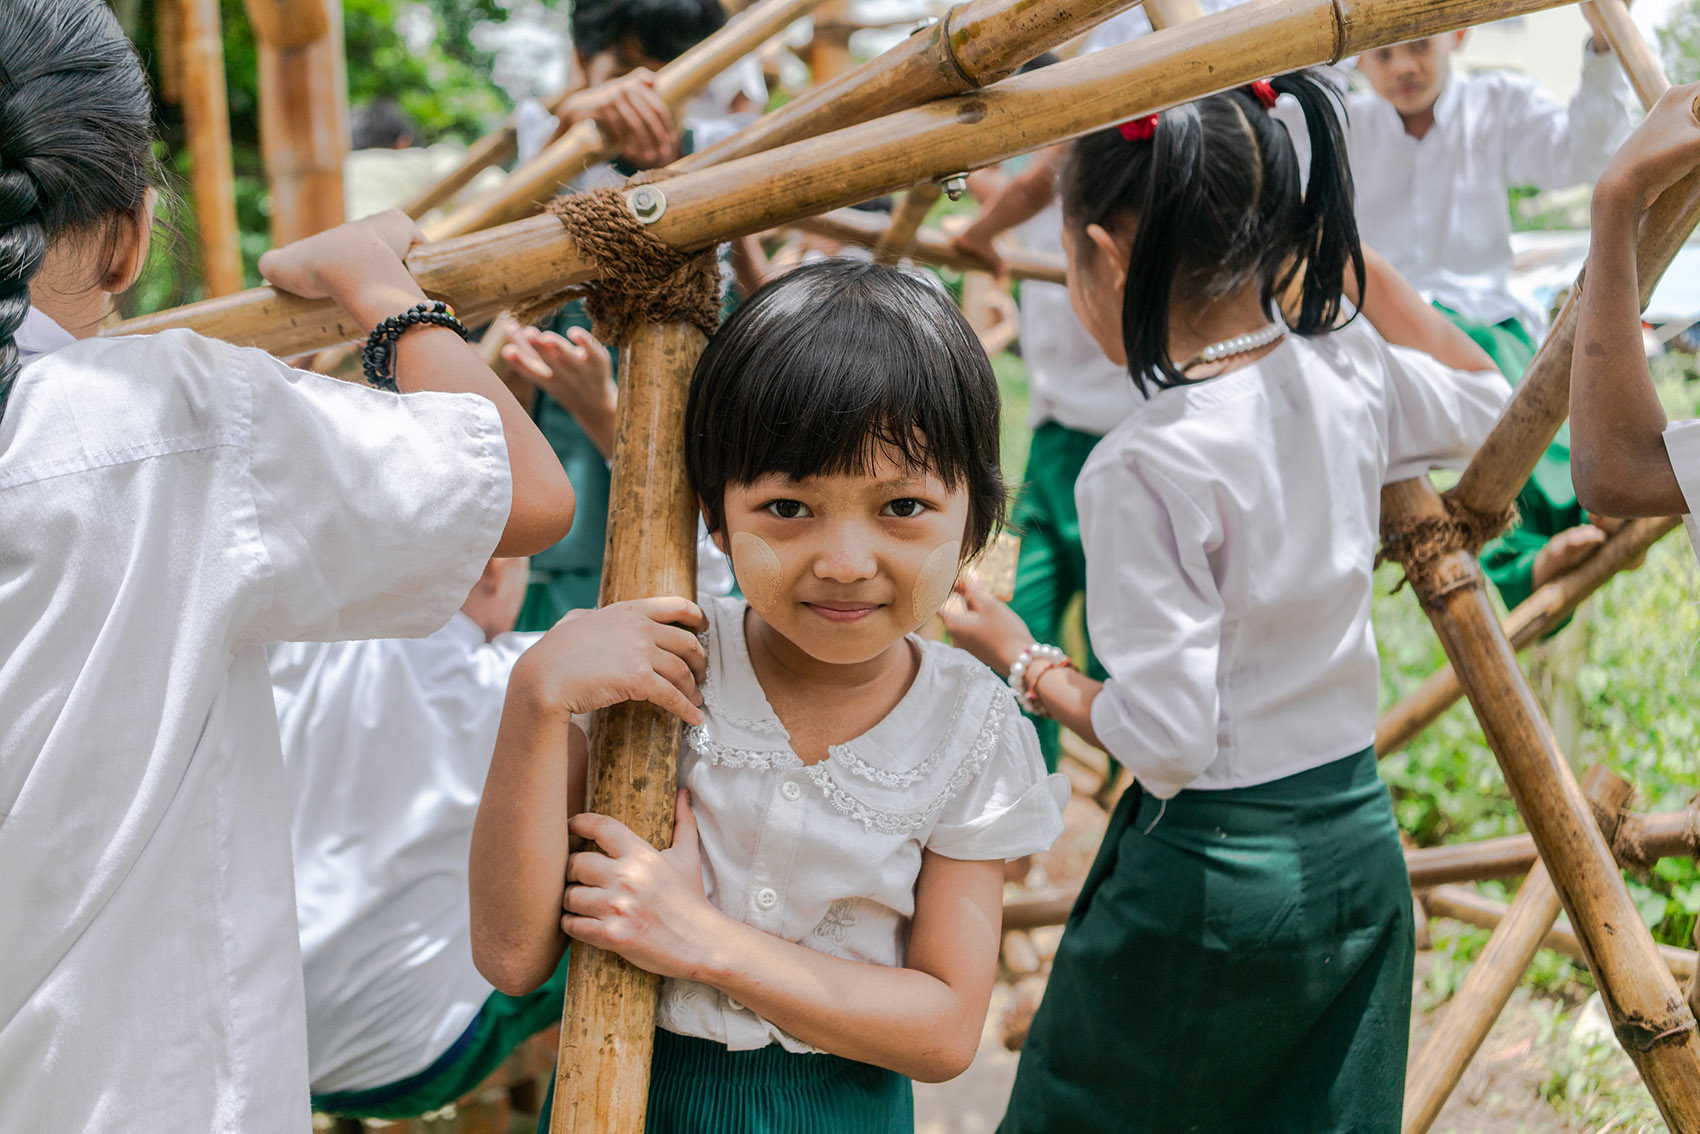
(1239,958)
(168,505)
(827,920)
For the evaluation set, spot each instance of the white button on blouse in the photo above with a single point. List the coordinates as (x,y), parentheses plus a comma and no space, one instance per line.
(827,854)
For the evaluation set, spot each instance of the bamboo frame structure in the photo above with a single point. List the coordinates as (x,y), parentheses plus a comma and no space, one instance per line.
(1460,903)
(1632,50)
(1523,627)
(535,181)
(206,119)
(482,274)
(852,226)
(291,23)
(898,241)
(494,148)
(608,1020)
(1493,977)
(303,125)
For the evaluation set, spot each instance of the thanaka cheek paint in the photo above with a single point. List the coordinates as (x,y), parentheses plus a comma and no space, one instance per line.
(938,575)
(757,569)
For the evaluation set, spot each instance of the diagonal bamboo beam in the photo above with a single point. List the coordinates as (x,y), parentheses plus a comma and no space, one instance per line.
(852,226)
(534,182)
(504,267)
(494,148)
(1652,1020)
(1495,975)
(897,243)
(1639,62)
(1523,627)
(975,43)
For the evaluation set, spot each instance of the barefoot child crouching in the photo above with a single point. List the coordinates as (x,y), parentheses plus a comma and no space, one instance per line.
(828,917)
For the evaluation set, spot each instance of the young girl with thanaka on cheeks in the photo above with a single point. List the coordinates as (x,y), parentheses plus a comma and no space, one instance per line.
(1240,955)
(828,917)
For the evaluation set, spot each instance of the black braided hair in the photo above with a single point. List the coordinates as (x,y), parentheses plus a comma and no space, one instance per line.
(76,153)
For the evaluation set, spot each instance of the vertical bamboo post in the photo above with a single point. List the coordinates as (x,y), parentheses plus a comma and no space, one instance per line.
(898,242)
(303,126)
(1652,1020)
(1632,51)
(608,1021)
(829,53)
(1495,975)
(207,118)
(168,35)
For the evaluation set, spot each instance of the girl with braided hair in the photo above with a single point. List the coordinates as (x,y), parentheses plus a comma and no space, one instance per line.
(168,505)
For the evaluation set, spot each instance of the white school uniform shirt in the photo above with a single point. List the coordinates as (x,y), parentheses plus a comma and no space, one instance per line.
(171,504)
(386,746)
(1437,208)
(1682,445)
(827,855)
(1230,530)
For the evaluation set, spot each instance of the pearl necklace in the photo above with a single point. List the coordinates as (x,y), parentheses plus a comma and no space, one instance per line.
(1239,344)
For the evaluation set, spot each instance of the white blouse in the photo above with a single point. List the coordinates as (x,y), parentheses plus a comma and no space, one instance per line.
(827,855)
(171,503)
(1682,444)
(1230,530)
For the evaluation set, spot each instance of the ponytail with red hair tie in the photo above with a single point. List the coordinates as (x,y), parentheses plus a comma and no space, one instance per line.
(1264,91)
(1139,129)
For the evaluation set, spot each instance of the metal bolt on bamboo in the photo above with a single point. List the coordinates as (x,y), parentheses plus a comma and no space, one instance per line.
(206,119)
(1496,973)
(482,274)
(608,1020)
(1523,627)
(1652,1020)
(539,179)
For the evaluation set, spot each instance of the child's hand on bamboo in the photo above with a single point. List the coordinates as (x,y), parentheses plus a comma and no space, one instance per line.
(1661,151)
(633,118)
(648,906)
(643,650)
(358,264)
(575,370)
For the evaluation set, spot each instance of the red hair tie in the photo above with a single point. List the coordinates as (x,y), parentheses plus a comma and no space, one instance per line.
(1139,129)
(1265,92)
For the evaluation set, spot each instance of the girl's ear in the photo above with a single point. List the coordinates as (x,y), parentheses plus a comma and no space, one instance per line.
(1116,253)
(131,238)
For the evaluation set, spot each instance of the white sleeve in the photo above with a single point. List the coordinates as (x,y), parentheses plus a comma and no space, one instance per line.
(1551,146)
(1682,444)
(1436,416)
(1010,807)
(1155,618)
(376,511)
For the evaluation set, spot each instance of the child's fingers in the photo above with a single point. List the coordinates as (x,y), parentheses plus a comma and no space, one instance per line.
(685,645)
(614,837)
(667,695)
(588,868)
(677,673)
(528,364)
(674,610)
(587,901)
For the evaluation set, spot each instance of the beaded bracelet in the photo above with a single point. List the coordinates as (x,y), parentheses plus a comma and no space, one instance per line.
(378,359)
(1038,651)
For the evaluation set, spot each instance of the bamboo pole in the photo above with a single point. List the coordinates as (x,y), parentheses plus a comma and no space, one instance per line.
(1460,903)
(608,1020)
(495,148)
(1494,976)
(898,241)
(976,43)
(535,181)
(291,23)
(206,117)
(828,53)
(481,274)
(1632,51)
(1523,627)
(1168,13)
(852,226)
(168,55)
(303,126)
(1651,1018)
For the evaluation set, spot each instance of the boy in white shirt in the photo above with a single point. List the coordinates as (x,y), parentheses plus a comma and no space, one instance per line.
(1434,154)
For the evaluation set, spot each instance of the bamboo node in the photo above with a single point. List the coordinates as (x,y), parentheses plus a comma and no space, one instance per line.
(1421,544)
(1644,1035)
(641,279)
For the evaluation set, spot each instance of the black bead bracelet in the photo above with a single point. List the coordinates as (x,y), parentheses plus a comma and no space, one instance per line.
(378,359)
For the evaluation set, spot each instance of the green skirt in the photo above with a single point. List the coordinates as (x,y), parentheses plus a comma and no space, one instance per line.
(1237,961)
(697,1086)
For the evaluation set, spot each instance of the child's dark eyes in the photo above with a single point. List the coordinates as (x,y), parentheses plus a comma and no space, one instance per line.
(787,509)
(906,508)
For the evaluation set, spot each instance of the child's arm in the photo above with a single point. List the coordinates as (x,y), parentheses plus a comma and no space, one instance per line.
(634,119)
(636,651)
(576,371)
(1550,145)
(1400,316)
(1618,457)
(1023,197)
(922,1020)
(359,265)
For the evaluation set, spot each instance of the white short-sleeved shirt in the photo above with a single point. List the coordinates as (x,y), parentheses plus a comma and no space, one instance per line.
(827,855)
(171,504)
(386,746)
(1682,444)
(1230,530)
(1436,206)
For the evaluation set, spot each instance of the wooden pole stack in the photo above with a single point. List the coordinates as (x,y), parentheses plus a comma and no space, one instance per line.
(303,113)
(206,118)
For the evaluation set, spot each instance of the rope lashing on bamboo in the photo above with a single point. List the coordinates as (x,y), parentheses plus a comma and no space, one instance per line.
(640,279)
(1419,545)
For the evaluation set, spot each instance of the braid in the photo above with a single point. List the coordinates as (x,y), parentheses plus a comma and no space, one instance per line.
(23,243)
